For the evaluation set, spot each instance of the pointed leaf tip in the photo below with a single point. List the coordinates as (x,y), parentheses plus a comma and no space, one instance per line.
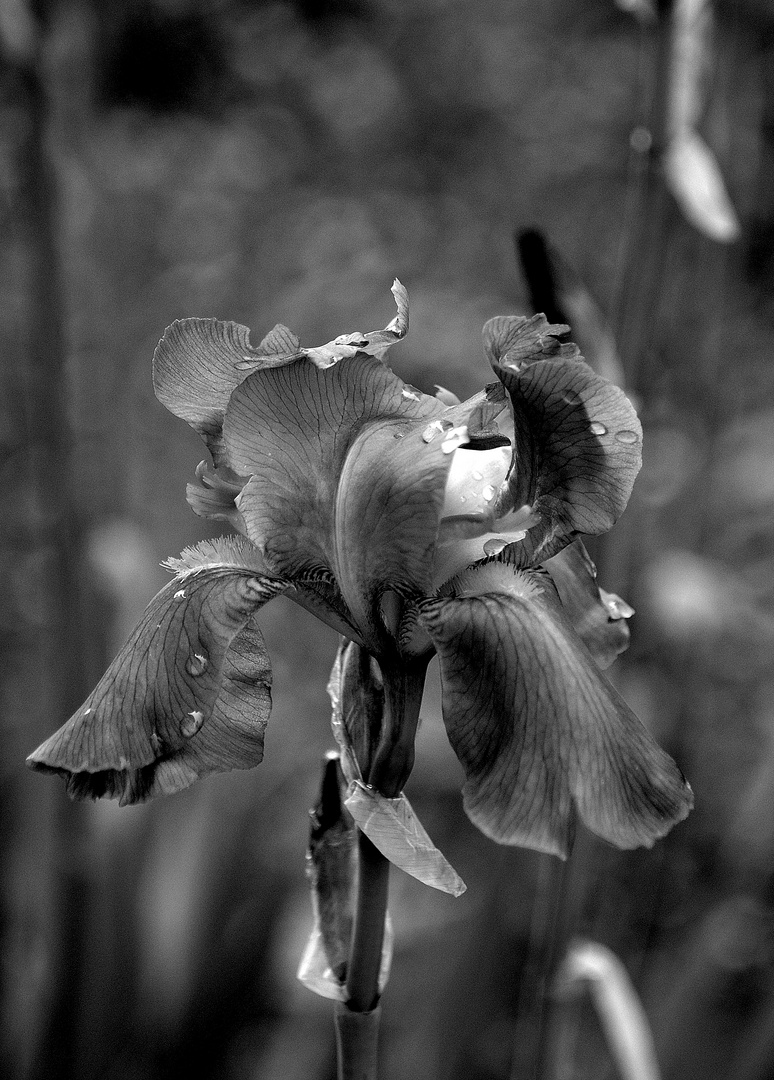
(393,827)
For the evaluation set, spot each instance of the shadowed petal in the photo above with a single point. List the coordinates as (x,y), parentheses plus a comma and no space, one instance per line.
(188,694)
(539,730)
(599,618)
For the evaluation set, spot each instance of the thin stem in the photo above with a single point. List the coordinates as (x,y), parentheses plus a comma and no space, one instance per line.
(368,932)
(357,1021)
(357,1037)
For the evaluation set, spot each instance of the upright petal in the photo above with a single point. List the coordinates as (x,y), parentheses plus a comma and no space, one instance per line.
(539,730)
(348,468)
(199,362)
(188,694)
(577,439)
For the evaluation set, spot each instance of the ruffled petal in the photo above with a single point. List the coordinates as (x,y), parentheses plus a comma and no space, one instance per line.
(577,439)
(199,362)
(599,618)
(540,732)
(189,693)
(514,340)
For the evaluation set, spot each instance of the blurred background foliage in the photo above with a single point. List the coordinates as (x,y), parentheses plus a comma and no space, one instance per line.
(283,161)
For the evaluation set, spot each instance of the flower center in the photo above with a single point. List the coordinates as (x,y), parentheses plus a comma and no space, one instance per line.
(469,530)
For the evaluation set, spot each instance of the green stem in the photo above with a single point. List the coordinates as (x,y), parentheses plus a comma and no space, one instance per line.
(368,932)
(357,1035)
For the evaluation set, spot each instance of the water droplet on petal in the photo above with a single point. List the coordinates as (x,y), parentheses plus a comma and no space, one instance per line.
(477,475)
(488,493)
(433,429)
(191,723)
(179,595)
(398,434)
(406,393)
(196,664)
(495,546)
(627,436)
(86,712)
(597,428)
(455,438)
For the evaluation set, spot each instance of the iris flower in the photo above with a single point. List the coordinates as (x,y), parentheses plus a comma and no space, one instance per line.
(416,526)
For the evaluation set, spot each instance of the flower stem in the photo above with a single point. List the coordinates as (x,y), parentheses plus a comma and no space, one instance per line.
(357,1020)
(356,1043)
(368,932)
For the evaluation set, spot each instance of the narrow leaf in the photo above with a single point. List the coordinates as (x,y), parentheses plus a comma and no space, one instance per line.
(694,178)
(619,1008)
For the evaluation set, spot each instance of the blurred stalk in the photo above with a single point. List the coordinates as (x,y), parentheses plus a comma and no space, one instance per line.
(52,530)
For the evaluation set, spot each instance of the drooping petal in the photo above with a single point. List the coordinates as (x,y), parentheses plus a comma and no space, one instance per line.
(539,730)
(199,362)
(189,693)
(577,439)
(599,618)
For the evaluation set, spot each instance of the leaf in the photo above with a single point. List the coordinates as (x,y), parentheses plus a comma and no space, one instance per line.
(332,870)
(577,449)
(189,693)
(540,732)
(694,178)
(599,618)
(620,1010)
(393,827)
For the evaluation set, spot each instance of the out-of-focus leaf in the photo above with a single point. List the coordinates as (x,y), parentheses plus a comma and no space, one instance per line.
(694,178)
(619,1008)
(393,827)
(537,727)
(188,694)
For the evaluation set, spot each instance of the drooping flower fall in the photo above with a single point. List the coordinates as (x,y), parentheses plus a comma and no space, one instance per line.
(415,526)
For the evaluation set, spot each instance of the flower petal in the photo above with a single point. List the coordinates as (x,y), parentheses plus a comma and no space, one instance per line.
(577,439)
(514,340)
(188,694)
(599,618)
(537,727)
(196,367)
(347,481)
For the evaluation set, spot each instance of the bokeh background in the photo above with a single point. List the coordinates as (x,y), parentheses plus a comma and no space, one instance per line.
(283,161)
